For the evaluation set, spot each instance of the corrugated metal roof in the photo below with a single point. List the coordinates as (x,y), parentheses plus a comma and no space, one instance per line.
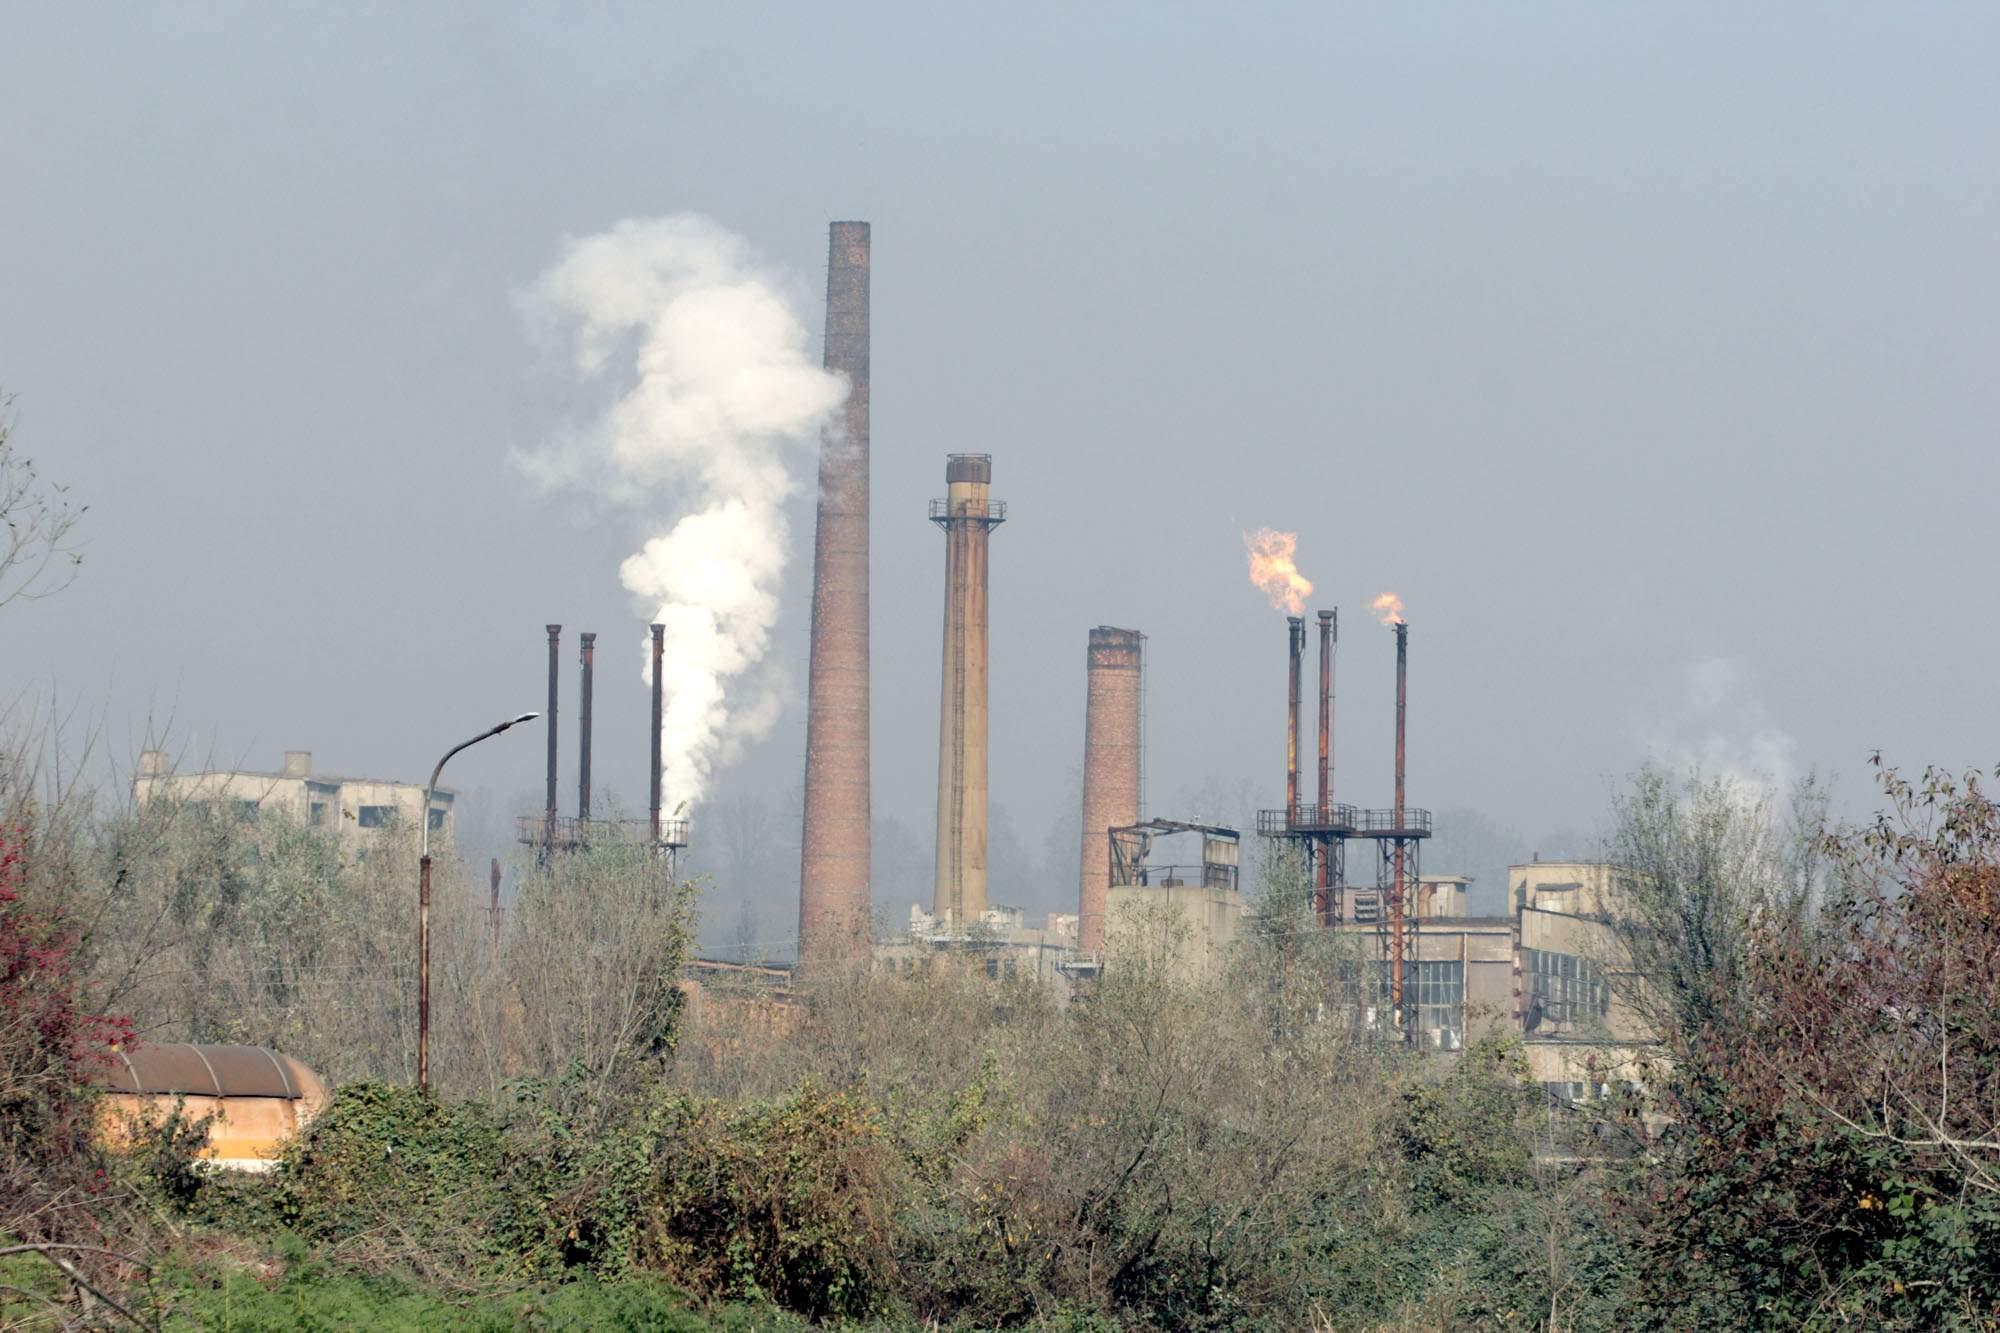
(185,1069)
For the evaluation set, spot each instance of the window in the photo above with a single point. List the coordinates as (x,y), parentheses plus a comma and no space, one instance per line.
(1441,1004)
(376,816)
(437,820)
(1564,990)
(246,812)
(317,815)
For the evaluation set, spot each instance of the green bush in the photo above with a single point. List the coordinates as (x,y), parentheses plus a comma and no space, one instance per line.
(397,1177)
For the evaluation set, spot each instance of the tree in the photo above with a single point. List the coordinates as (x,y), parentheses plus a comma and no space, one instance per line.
(38,556)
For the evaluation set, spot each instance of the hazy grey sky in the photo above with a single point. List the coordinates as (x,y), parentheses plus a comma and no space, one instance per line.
(1647,352)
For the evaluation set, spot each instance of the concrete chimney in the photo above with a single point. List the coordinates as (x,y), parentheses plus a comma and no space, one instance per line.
(153,764)
(298,763)
(833,863)
(1110,768)
(968,517)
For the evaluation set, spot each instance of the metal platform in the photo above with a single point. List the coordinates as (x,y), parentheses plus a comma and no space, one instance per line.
(568,834)
(1344,821)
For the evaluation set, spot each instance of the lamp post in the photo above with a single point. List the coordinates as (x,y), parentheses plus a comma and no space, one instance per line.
(424,905)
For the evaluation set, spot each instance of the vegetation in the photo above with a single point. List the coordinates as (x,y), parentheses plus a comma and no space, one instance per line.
(1815,1146)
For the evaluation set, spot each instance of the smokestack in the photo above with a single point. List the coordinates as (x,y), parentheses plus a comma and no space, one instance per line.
(1297,629)
(1396,904)
(1322,868)
(833,862)
(968,517)
(1110,767)
(555,642)
(583,728)
(659,720)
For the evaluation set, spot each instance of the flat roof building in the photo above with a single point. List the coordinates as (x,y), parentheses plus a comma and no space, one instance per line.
(356,810)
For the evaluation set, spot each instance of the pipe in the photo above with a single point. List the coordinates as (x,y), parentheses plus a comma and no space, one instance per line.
(659,720)
(555,669)
(583,726)
(1297,628)
(1396,889)
(1322,896)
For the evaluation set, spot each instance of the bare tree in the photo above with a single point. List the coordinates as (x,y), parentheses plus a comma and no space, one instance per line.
(38,556)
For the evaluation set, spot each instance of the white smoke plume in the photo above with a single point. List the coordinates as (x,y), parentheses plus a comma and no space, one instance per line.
(1723,731)
(713,434)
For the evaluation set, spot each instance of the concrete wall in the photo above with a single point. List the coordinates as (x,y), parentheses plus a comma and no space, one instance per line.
(1190,927)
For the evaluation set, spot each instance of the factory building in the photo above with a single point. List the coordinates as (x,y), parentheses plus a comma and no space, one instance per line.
(1001,945)
(358,810)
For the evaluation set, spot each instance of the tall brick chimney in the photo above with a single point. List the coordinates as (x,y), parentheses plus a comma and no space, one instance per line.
(968,516)
(1110,768)
(833,869)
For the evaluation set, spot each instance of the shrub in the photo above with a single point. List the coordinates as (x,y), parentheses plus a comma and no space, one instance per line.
(388,1176)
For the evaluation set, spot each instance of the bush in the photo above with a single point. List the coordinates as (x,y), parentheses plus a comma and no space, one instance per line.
(388,1176)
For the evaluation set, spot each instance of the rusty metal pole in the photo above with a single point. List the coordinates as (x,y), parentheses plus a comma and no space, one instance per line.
(1297,628)
(1321,859)
(1396,905)
(583,727)
(424,970)
(555,669)
(659,721)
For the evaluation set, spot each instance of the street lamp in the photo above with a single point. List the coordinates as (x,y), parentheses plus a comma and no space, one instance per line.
(424,906)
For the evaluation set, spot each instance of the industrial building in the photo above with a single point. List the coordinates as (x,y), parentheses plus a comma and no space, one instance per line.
(359,811)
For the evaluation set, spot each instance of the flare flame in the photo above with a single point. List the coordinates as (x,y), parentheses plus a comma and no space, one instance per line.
(1272,570)
(1389,607)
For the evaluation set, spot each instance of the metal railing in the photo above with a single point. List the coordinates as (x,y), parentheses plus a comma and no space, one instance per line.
(534,830)
(991,511)
(1211,876)
(1415,823)
(1306,817)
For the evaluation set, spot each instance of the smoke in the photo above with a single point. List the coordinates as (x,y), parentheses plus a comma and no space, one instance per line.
(1388,608)
(721,412)
(1273,571)
(1723,731)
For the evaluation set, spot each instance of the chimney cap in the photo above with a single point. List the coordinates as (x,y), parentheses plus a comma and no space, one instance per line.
(968,467)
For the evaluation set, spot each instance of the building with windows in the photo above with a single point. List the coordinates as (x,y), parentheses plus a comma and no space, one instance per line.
(1579,1032)
(357,810)
(1549,971)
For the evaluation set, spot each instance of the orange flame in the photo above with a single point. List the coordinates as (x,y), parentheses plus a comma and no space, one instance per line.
(1272,570)
(1389,607)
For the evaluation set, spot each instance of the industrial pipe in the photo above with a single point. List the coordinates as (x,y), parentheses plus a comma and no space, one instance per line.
(1396,904)
(549,827)
(1322,897)
(1297,628)
(659,720)
(583,727)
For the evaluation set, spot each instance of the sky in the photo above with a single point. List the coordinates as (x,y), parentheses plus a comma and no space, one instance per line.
(1646,352)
